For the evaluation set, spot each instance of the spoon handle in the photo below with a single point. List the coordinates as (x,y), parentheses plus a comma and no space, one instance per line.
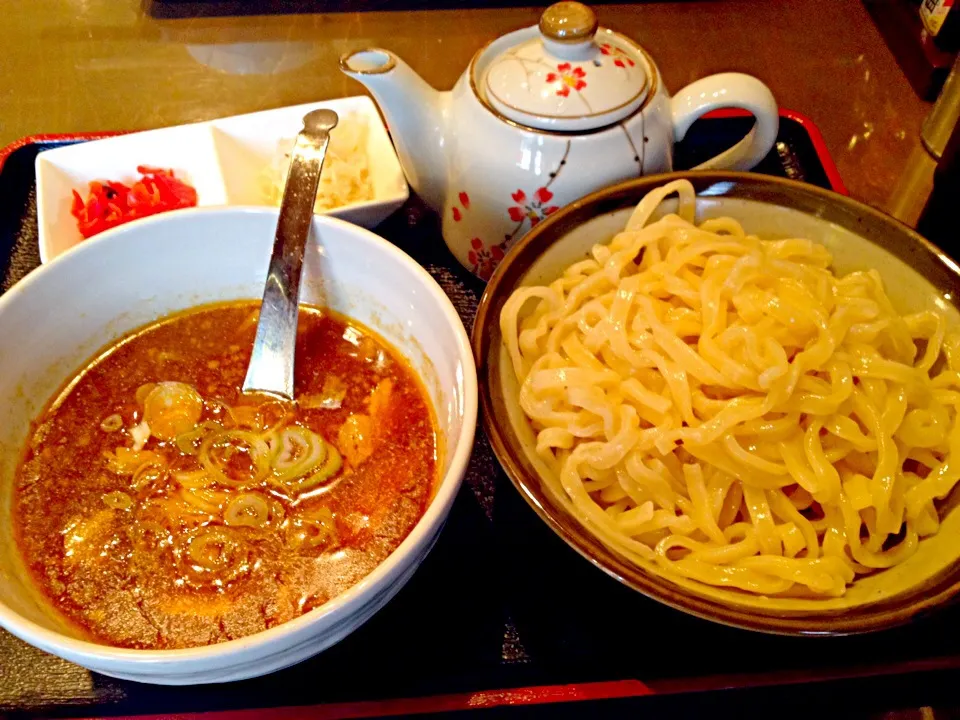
(271,364)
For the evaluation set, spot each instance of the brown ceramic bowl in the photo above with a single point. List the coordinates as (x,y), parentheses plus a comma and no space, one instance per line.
(917,276)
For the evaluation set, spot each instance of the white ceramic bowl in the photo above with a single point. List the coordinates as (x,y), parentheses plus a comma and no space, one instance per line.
(59,315)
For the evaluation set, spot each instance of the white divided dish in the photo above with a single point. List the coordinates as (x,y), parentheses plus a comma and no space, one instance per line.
(158,265)
(224,160)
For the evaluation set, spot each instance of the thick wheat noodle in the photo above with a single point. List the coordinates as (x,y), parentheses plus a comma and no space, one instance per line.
(730,409)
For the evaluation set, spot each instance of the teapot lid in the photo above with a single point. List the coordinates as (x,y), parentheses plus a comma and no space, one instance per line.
(571,76)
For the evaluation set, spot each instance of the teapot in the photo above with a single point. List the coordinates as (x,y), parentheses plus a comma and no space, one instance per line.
(541,117)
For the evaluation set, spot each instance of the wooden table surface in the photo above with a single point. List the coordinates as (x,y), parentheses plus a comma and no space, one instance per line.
(87,65)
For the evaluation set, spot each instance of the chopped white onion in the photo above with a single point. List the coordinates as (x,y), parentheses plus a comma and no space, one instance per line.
(140,434)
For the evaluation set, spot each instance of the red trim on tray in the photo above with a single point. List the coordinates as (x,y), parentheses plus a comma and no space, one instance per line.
(819,144)
(53,137)
(537,695)
(550,694)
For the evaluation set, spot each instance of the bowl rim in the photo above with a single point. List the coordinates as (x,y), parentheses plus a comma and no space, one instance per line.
(917,252)
(341,605)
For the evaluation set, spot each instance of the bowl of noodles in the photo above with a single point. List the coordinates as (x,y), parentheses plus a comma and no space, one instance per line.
(737,395)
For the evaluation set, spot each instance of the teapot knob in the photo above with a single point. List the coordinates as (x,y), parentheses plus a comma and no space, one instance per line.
(567,29)
(568,22)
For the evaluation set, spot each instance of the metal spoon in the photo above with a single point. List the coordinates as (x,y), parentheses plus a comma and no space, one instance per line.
(271,365)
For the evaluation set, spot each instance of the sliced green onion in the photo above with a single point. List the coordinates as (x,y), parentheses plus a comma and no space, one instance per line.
(302,460)
(206,500)
(247,509)
(189,442)
(193,479)
(148,473)
(217,449)
(297,452)
(330,468)
(245,416)
(216,555)
(312,529)
(117,500)
(112,423)
(274,414)
(126,461)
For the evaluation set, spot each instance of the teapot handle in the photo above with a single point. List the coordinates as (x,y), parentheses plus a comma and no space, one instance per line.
(729,90)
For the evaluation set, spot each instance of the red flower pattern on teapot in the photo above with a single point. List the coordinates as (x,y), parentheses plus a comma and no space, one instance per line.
(533,210)
(483,259)
(569,78)
(619,56)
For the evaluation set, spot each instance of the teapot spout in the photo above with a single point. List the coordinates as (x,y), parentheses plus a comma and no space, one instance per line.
(415,115)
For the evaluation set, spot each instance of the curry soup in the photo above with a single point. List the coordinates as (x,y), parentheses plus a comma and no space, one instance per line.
(158,507)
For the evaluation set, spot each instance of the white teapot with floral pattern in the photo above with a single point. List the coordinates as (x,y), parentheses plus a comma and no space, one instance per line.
(541,117)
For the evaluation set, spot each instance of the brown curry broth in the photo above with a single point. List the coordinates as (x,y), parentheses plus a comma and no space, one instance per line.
(135,601)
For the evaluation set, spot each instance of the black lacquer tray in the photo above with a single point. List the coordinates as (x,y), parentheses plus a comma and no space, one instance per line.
(503,618)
